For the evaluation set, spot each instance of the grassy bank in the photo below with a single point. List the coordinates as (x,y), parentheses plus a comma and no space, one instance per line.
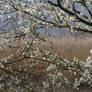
(45,67)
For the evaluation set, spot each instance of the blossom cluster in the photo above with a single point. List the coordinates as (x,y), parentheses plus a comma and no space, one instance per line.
(25,69)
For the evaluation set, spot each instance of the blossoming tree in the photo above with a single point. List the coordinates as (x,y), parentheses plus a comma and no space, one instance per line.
(30,15)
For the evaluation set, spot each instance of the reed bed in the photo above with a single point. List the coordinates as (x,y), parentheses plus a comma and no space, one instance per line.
(69,46)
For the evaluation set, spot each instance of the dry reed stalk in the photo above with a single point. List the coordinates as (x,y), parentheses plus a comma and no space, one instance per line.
(69,47)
